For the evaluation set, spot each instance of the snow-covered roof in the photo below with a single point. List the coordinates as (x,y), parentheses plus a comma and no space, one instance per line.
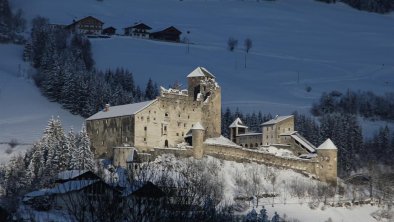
(122,110)
(66,187)
(70,174)
(221,140)
(327,145)
(200,72)
(277,151)
(304,142)
(275,120)
(198,126)
(237,123)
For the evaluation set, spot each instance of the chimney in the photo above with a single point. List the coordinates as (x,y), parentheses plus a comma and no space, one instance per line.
(106,108)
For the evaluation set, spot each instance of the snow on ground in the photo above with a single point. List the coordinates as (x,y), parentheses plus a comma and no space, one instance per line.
(221,141)
(237,178)
(295,45)
(277,151)
(24,111)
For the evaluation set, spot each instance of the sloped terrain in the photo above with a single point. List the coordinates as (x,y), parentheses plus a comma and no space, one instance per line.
(24,111)
(296,45)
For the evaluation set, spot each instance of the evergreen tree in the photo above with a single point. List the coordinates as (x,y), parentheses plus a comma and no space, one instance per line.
(226,121)
(15,179)
(251,216)
(74,153)
(39,36)
(150,90)
(263,217)
(86,157)
(275,218)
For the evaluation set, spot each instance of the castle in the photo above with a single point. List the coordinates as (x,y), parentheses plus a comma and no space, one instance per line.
(192,117)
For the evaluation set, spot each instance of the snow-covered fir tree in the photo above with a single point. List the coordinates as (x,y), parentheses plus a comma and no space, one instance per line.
(86,156)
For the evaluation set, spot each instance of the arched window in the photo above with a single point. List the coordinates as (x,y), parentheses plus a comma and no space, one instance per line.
(246,145)
(166,143)
(257,145)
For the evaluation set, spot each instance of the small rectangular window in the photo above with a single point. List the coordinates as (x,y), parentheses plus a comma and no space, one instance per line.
(145,128)
(144,139)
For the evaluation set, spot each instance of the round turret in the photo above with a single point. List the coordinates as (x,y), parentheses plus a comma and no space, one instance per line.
(198,140)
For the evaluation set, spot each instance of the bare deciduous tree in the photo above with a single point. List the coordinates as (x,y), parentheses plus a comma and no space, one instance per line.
(248,44)
(232,44)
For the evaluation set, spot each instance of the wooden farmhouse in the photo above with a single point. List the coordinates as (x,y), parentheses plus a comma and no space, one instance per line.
(139,30)
(169,34)
(88,25)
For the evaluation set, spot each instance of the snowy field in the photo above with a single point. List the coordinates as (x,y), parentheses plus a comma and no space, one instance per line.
(24,111)
(296,44)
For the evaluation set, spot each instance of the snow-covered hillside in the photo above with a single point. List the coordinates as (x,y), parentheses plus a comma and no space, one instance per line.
(239,180)
(24,111)
(296,44)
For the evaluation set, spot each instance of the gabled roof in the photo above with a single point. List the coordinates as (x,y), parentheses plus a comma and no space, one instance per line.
(140,26)
(169,30)
(122,110)
(198,126)
(70,174)
(89,17)
(200,72)
(108,28)
(149,190)
(275,120)
(327,145)
(237,123)
(221,140)
(143,189)
(304,142)
(69,186)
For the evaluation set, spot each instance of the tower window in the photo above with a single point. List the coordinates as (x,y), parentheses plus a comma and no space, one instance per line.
(145,128)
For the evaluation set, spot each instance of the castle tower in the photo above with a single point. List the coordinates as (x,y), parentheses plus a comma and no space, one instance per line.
(327,157)
(203,89)
(236,128)
(198,140)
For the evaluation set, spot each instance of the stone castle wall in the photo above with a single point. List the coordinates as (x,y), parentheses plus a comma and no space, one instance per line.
(107,133)
(247,155)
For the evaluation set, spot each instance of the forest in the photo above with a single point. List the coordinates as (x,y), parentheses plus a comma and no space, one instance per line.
(64,61)
(378,6)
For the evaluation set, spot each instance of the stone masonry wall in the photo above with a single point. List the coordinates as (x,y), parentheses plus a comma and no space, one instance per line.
(245,155)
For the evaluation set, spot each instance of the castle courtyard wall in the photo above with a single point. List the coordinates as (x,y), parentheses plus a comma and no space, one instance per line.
(246,155)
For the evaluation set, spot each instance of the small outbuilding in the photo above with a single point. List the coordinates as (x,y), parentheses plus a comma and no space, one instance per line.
(171,34)
(109,31)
